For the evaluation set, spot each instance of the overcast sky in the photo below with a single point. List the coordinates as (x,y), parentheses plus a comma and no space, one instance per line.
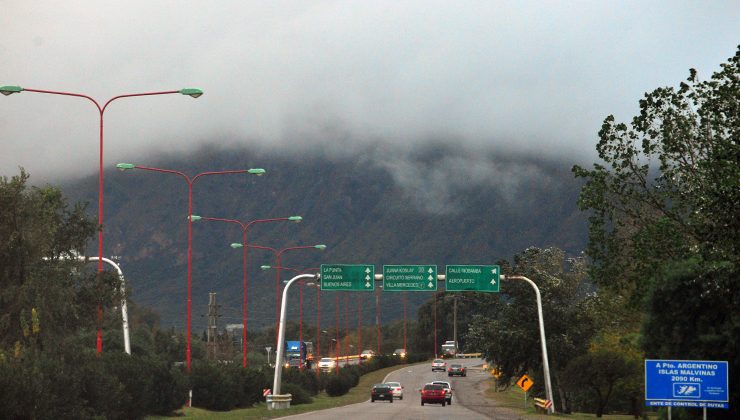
(532,77)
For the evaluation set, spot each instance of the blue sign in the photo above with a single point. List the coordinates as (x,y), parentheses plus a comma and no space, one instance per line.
(686,383)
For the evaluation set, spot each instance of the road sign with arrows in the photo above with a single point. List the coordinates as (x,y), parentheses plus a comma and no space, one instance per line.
(477,278)
(410,278)
(348,277)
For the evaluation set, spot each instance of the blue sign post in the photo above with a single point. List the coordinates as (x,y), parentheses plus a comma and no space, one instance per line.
(686,383)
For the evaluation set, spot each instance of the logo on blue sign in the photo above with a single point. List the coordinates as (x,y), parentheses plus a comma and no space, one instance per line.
(686,390)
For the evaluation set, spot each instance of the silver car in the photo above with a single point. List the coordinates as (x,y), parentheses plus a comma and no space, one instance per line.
(397,389)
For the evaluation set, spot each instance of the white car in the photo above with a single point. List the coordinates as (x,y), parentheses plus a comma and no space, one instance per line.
(367,354)
(327,364)
(397,389)
(447,388)
(439,364)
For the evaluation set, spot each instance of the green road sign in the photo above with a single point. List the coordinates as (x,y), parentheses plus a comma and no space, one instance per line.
(351,277)
(410,278)
(478,278)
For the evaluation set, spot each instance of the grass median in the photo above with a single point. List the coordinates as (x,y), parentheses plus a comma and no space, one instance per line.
(322,401)
(513,398)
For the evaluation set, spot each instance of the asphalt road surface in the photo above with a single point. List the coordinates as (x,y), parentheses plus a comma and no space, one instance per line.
(467,399)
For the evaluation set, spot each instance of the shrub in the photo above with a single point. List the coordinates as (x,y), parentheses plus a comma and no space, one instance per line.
(300,396)
(214,386)
(251,382)
(337,385)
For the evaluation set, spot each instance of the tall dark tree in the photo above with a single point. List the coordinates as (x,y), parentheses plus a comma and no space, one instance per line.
(44,295)
(665,217)
(669,185)
(509,337)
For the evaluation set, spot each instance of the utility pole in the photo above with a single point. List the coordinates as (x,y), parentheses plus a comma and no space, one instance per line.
(212,331)
(454,321)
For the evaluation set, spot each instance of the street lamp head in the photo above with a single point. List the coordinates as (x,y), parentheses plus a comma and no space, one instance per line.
(236,245)
(124,166)
(256,171)
(9,90)
(193,93)
(320,246)
(296,219)
(194,218)
(265,267)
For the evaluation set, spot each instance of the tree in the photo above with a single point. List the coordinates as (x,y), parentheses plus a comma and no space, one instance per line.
(668,188)
(509,337)
(693,316)
(599,372)
(44,298)
(664,230)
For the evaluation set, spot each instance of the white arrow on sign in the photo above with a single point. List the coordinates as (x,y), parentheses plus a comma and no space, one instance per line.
(430,278)
(430,285)
(367,270)
(367,285)
(367,278)
(493,282)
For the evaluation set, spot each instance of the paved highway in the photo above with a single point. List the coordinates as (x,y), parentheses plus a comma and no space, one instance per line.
(412,378)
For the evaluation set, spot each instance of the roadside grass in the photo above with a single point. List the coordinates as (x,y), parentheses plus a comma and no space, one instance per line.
(513,398)
(322,401)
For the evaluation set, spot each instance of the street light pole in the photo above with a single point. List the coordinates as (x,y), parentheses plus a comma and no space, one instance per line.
(404,321)
(281,334)
(278,253)
(9,90)
(435,324)
(545,364)
(190,182)
(245,227)
(377,315)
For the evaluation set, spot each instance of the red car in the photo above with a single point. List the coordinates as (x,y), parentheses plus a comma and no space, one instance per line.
(433,394)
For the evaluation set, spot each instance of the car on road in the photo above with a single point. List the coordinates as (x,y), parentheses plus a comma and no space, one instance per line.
(457,369)
(397,389)
(381,392)
(439,364)
(400,353)
(433,394)
(327,364)
(448,390)
(367,354)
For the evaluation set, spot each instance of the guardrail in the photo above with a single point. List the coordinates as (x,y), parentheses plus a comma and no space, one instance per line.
(542,403)
(469,355)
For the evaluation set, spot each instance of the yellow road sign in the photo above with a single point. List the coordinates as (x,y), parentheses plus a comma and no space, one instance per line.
(525,382)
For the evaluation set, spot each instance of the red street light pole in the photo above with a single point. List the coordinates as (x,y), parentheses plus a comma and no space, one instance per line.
(404,321)
(9,90)
(377,315)
(278,253)
(245,227)
(190,181)
(435,324)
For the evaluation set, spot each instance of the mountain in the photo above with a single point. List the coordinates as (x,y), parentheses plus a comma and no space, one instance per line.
(432,205)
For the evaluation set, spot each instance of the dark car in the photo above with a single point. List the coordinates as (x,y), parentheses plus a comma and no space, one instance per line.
(433,394)
(381,392)
(457,370)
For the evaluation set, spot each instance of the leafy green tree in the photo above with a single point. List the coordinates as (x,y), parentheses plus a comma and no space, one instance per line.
(693,315)
(668,187)
(664,228)
(599,372)
(44,297)
(509,334)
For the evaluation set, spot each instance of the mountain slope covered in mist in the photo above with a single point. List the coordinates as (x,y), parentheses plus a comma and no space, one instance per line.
(437,205)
